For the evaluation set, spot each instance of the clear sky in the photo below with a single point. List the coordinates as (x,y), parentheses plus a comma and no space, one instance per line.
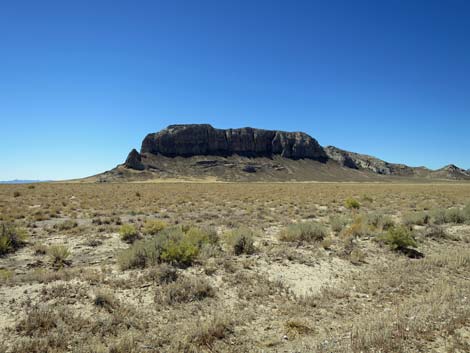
(82,82)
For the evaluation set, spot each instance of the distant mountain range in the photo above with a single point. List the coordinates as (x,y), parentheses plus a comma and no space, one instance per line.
(18,181)
(198,151)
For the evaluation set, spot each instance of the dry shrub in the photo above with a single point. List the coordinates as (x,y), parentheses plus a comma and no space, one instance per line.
(162,274)
(380,221)
(440,310)
(105,299)
(184,290)
(66,225)
(415,218)
(205,332)
(59,255)
(11,238)
(296,327)
(309,232)
(241,241)
(338,223)
(359,228)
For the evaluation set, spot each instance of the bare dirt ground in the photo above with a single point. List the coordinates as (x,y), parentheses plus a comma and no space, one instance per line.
(235,267)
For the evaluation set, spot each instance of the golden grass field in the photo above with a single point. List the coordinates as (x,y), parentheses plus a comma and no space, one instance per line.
(235,267)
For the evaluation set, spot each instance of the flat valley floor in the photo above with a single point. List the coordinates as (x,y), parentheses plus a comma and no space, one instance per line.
(234,267)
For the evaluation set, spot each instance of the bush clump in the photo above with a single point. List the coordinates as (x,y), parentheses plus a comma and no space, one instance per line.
(352,204)
(153,226)
(66,225)
(338,223)
(128,233)
(105,299)
(241,241)
(438,232)
(162,274)
(59,255)
(308,232)
(455,215)
(438,216)
(11,238)
(415,218)
(359,228)
(399,238)
(172,245)
(380,221)
(466,212)
(451,215)
(184,290)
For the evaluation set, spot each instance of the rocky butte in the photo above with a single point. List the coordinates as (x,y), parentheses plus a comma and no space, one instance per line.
(203,139)
(195,139)
(200,150)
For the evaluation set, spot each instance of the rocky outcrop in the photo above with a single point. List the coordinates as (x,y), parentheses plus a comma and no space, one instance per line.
(134,161)
(451,171)
(203,139)
(362,161)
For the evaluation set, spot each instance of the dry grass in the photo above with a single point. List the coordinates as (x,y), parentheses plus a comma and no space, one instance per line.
(296,269)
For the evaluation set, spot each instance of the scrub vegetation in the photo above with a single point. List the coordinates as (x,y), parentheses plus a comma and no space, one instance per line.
(234,267)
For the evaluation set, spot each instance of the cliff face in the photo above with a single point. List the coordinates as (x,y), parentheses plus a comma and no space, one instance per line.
(194,140)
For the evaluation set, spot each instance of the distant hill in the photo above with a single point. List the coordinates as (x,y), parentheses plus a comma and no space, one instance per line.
(199,151)
(18,181)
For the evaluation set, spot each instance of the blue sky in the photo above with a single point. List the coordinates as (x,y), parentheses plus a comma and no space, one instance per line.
(82,82)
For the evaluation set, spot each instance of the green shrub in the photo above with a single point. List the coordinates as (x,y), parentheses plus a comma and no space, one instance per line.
(128,233)
(11,238)
(415,218)
(59,255)
(451,215)
(171,245)
(202,236)
(351,203)
(179,249)
(309,232)
(153,226)
(241,241)
(399,238)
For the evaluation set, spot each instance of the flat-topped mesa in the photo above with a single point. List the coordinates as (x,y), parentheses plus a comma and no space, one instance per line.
(203,139)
